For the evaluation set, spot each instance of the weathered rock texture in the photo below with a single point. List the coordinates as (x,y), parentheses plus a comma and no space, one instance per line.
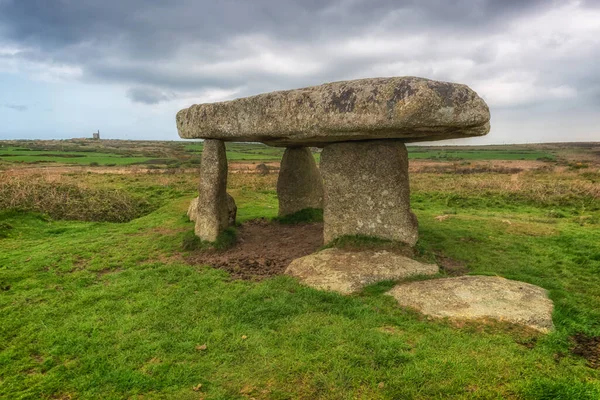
(231,210)
(367,191)
(192,212)
(479,297)
(212,216)
(299,185)
(349,271)
(262,169)
(407,108)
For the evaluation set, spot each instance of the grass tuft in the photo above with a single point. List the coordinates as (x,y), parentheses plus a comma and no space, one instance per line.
(5,229)
(226,240)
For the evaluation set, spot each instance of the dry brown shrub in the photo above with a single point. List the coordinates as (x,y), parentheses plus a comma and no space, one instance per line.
(61,200)
(545,188)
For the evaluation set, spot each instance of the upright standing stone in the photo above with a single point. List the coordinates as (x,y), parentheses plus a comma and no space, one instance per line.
(212,215)
(192,212)
(367,191)
(299,185)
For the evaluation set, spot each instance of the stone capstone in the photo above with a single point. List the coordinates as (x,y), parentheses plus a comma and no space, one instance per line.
(212,215)
(299,184)
(479,298)
(347,272)
(367,191)
(192,211)
(406,108)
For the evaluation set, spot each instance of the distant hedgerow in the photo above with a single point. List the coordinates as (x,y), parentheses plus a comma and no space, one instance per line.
(71,202)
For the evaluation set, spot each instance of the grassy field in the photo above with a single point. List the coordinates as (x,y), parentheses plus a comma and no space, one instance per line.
(24,155)
(187,154)
(103,310)
(479,154)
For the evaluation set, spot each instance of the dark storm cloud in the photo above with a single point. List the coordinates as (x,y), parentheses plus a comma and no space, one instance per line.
(147,95)
(163,24)
(146,26)
(16,107)
(164,49)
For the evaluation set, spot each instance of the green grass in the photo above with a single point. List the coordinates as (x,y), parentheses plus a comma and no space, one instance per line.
(226,239)
(14,154)
(109,311)
(477,154)
(243,151)
(175,153)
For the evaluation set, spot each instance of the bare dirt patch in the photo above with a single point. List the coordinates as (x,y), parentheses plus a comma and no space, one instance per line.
(587,347)
(54,172)
(263,249)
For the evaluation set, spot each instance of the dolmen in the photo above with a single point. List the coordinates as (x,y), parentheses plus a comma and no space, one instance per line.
(362,126)
(362,184)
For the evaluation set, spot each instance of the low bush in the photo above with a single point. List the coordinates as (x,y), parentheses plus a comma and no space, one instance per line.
(71,202)
(5,229)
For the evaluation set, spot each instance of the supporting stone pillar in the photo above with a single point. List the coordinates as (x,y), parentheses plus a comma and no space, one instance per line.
(367,191)
(212,214)
(231,209)
(299,185)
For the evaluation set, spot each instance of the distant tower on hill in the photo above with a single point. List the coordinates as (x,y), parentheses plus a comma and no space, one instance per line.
(96,135)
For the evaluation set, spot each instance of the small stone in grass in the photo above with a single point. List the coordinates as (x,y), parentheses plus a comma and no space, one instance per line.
(201,347)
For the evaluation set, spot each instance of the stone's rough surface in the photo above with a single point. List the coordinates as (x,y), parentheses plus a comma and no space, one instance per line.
(231,210)
(262,169)
(406,108)
(367,192)
(299,185)
(212,216)
(479,297)
(349,271)
(192,212)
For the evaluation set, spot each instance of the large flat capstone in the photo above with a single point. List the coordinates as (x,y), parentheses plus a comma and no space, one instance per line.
(479,298)
(407,108)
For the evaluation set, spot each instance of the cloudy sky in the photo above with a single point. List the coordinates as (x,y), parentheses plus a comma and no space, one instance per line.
(69,67)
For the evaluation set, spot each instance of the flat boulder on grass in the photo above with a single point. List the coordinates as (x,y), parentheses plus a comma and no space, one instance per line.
(348,272)
(479,298)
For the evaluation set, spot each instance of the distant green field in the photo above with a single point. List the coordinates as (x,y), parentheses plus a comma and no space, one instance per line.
(477,154)
(15,154)
(244,151)
(180,154)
